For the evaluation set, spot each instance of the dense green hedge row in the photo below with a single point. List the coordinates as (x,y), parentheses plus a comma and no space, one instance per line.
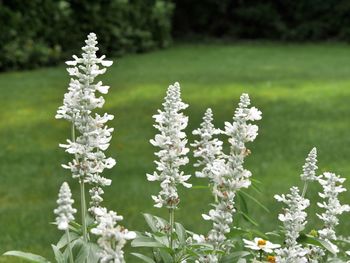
(42,32)
(298,20)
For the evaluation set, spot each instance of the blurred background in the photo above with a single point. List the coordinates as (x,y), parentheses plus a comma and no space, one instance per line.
(292,57)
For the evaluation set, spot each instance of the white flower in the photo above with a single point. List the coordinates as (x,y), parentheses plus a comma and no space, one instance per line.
(294,254)
(199,238)
(332,187)
(211,258)
(207,149)
(65,212)
(226,171)
(172,154)
(93,135)
(310,167)
(112,237)
(260,244)
(294,221)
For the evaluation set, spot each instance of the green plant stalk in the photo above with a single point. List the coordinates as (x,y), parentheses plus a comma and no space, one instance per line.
(171,222)
(260,255)
(304,189)
(83,210)
(71,260)
(82,198)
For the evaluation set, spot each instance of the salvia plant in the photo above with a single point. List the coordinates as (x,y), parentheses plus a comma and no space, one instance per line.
(97,235)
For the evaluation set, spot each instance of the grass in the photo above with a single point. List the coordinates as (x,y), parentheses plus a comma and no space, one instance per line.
(302,90)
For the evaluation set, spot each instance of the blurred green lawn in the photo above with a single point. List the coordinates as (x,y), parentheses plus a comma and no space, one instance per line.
(302,90)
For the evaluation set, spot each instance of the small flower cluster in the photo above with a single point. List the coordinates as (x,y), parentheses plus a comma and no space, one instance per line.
(171,140)
(208,149)
(332,187)
(294,221)
(226,171)
(310,167)
(94,136)
(113,237)
(65,212)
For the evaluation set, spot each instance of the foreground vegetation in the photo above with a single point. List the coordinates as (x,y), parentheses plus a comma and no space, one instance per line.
(302,91)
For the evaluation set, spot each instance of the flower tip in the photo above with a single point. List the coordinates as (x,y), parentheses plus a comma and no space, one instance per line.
(107,63)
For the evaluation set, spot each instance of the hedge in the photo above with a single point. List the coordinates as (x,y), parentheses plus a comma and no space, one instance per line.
(35,33)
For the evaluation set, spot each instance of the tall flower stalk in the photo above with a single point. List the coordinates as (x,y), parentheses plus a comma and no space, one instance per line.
(208,148)
(226,172)
(65,213)
(90,135)
(294,221)
(309,170)
(332,187)
(171,139)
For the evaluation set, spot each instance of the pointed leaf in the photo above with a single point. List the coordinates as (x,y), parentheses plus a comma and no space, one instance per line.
(181,233)
(143,257)
(255,201)
(146,242)
(151,222)
(26,256)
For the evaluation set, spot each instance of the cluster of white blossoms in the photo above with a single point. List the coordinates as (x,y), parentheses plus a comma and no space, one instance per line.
(112,237)
(172,141)
(207,149)
(65,212)
(226,171)
(93,135)
(310,167)
(332,187)
(294,221)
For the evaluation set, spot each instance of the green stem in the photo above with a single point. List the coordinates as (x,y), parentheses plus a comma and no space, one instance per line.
(83,209)
(73,132)
(261,254)
(71,260)
(171,222)
(304,190)
(82,196)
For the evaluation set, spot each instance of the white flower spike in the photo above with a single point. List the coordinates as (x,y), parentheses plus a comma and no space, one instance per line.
(310,167)
(208,149)
(227,171)
(65,212)
(294,221)
(93,135)
(332,187)
(170,122)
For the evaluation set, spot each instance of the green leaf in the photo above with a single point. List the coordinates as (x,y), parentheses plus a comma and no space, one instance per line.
(58,254)
(143,257)
(93,253)
(248,218)
(26,256)
(146,242)
(166,257)
(82,254)
(308,239)
(181,233)
(151,222)
(243,203)
(255,201)
(234,257)
(64,240)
